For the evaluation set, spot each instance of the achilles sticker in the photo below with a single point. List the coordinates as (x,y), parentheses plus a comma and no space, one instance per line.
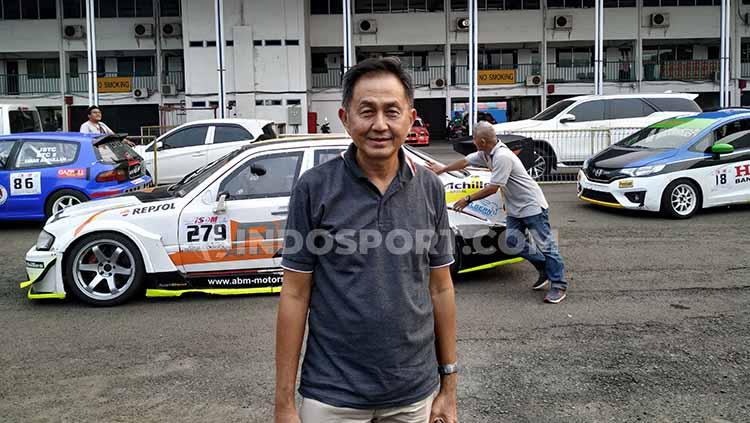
(3,195)
(29,183)
(72,173)
(205,233)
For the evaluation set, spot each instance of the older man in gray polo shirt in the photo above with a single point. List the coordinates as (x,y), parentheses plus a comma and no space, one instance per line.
(366,257)
(525,207)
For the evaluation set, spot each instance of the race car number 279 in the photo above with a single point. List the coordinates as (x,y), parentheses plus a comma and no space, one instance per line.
(211,232)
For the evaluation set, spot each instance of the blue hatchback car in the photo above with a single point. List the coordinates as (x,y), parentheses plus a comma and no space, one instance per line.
(42,173)
(677,166)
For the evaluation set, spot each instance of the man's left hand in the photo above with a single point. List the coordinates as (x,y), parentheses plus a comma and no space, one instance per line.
(444,408)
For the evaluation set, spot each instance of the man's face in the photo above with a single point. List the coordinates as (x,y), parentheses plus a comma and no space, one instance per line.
(379,116)
(95,115)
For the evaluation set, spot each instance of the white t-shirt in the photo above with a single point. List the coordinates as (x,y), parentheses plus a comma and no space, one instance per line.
(92,128)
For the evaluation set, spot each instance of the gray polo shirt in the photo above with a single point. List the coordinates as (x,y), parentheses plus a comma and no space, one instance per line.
(521,194)
(371,339)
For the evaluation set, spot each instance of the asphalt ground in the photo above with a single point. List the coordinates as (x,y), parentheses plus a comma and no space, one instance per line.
(655,329)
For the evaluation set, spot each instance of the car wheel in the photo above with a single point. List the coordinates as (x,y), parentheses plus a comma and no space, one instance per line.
(104,269)
(541,164)
(681,199)
(63,199)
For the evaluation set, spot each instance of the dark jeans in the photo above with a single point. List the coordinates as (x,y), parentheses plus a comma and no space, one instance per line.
(543,252)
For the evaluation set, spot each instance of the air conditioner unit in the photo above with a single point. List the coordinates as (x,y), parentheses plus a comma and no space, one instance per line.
(533,80)
(462,24)
(437,83)
(563,22)
(168,89)
(659,20)
(143,30)
(367,26)
(171,30)
(140,92)
(74,32)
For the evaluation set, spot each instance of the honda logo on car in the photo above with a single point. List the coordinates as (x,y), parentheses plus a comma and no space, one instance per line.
(598,172)
(743,173)
(148,209)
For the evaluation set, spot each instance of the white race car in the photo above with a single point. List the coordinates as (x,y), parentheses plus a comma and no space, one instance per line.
(219,230)
(676,166)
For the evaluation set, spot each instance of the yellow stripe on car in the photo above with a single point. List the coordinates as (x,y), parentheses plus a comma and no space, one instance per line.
(45,296)
(162,293)
(601,203)
(491,265)
(26,284)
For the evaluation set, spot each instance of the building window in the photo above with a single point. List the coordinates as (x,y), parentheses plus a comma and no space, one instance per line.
(43,68)
(258,102)
(384,6)
(257,43)
(170,7)
(574,56)
(292,102)
(199,104)
(135,66)
(73,67)
(670,3)
(273,42)
(210,43)
(196,44)
(28,9)
(101,68)
(292,42)
(484,5)
(73,9)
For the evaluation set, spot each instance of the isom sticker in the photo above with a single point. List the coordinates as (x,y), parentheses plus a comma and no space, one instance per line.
(28,183)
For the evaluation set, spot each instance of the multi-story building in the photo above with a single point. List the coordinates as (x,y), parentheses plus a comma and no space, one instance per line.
(286,55)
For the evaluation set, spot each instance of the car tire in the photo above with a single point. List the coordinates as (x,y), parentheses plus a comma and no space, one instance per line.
(62,199)
(681,199)
(542,163)
(100,261)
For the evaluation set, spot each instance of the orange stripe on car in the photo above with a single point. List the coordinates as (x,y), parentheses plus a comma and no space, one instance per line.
(249,250)
(87,221)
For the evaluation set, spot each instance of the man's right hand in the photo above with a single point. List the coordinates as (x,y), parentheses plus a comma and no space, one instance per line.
(438,169)
(287,416)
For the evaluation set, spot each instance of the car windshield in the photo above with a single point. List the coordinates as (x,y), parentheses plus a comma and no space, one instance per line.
(196,177)
(553,110)
(114,151)
(429,159)
(667,134)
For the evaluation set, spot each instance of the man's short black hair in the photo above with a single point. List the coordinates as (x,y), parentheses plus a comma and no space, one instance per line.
(91,109)
(390,65)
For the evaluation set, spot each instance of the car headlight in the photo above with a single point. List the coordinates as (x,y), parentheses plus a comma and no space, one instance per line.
(44,241)
(585,164)
(642,171)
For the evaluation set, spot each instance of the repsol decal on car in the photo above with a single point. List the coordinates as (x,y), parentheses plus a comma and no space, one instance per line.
(77,173)
(147,209)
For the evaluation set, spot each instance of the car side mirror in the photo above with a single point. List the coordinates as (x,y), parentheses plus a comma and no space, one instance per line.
(567,118)
(221,203)
(720,148)
(159,146)
(257,170)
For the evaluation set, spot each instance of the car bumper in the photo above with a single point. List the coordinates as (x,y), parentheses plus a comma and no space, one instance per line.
(44,275)
(418,141)
(640,193)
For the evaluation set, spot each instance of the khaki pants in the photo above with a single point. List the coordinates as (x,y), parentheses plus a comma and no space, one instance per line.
(317,412)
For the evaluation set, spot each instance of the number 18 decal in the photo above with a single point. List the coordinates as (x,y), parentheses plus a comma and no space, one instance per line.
(25,183)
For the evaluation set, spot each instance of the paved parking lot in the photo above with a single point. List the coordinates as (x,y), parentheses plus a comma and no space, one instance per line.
(654,329)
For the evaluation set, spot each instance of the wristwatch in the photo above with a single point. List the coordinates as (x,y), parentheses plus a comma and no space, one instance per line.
(447,369)
(467,199)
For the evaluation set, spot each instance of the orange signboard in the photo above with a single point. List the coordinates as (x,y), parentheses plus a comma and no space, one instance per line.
(115,84)
(496,77)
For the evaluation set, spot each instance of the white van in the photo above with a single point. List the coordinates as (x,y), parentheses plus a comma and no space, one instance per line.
(571,130)
(16,118)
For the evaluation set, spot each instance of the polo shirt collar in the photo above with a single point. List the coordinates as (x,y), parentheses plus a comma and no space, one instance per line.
(406,170)
(497,147)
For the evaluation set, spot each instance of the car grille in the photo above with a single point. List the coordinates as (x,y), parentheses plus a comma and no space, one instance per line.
(599,174)
(599,196)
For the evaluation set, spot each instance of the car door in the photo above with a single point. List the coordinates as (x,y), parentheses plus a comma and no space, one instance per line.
(179,153)
(726,179)
(575,141)
(6,148)
(33,175)
(227,138)
(246,237)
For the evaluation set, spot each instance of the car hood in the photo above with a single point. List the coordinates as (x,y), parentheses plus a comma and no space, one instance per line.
(621,157)
(517,125)
(98,206)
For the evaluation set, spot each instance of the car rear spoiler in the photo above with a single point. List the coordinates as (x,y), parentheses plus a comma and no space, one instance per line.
(109,137)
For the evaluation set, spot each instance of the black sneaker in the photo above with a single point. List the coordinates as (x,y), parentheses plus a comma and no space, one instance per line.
(554,296)
(542,282)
